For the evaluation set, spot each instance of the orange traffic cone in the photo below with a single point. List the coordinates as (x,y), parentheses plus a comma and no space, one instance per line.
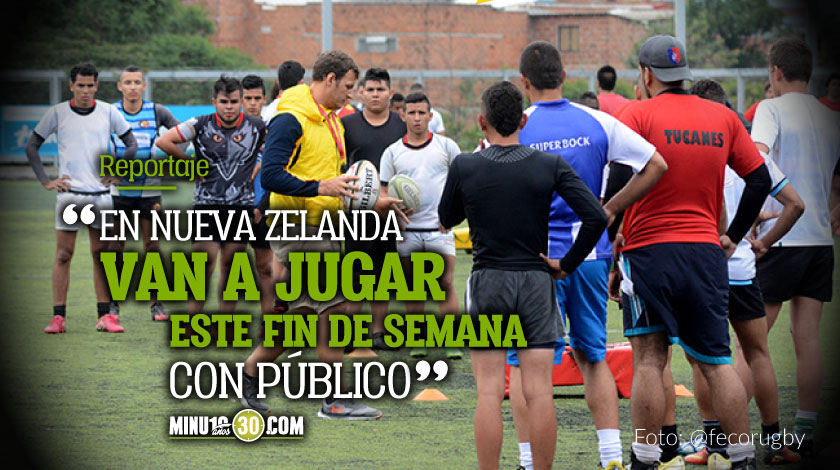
(431,394)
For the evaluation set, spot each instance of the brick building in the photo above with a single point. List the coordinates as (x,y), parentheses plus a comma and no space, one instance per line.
(435,35)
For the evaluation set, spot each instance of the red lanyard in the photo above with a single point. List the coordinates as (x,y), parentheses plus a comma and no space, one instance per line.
(332,124)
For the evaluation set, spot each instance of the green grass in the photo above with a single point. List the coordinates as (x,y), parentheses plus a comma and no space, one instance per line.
(91,400)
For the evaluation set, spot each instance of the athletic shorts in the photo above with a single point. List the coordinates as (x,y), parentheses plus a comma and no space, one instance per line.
(100,201)
(787,272)
(745,302)
(143,204)
(582,297)
(432,241)
(212,229)
(375,248)
(281,251)
(681,289)
(559,349)
(261,234)
(529,294)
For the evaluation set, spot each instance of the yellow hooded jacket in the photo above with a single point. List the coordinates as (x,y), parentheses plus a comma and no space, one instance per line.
(300,150)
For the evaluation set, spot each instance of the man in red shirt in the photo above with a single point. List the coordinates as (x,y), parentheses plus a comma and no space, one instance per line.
(675,280)
(608,101)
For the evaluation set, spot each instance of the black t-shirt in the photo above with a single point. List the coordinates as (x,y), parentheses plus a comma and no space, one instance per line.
(365,141)
(505,193)
(232,154)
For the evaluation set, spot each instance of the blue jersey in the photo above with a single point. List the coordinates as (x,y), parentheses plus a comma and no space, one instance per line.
(144,126)
(588,140)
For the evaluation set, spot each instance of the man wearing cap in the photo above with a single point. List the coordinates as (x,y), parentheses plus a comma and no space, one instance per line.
(674,280)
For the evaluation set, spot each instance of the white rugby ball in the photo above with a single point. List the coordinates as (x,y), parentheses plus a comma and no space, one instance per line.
(368,182)
(404,188)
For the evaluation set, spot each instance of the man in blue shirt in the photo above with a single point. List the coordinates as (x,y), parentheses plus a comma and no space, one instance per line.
(588,140)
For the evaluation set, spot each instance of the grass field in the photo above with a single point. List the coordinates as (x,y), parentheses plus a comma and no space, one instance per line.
(91,400)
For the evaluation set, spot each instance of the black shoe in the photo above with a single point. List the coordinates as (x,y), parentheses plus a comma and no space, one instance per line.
(636,465)
(746,464)
(379,342)
(249,396)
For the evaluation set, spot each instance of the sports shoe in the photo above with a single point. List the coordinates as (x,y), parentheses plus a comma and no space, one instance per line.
(698,458)
(805,449)
(520,468)
(746,464)
(675,463)
(58,324)
(347,409)
(453,353)
(780,456)
(379,342)
(720,462)
(280,306)
(114,309)
(109,324)
(249,396)
(613,465)
(636,465)
(419,352)
(158,312)
(694,445)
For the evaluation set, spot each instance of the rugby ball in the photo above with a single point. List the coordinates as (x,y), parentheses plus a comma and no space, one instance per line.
(404,188)
(368,183)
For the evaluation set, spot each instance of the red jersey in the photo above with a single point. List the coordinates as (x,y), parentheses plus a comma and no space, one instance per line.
(629,104)
(698,139)
(610,103)
(834,106)
(750,114)
(346,110)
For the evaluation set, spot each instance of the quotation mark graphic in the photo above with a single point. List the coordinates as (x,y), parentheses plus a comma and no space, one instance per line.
(70,217)
(423,370)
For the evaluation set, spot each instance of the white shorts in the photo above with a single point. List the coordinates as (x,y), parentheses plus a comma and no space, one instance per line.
(100,203)
(429,242)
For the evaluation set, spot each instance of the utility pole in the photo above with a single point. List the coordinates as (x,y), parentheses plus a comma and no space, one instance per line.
(679,20)
(326,25)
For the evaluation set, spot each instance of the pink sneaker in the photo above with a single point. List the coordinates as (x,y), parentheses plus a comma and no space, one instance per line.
(58,324)
(110,324)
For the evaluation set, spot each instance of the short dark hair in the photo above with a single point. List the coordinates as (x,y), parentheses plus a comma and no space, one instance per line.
(607,77)
(416,86)
(833,76)
(793,57)
(131,69)
(376,74)
(226,85)
(501,105)
(251,82)
(418,97)
(589,99)
(335,61)
(540,63)
(86,70)
(289,74)
(397,98)
(709,89)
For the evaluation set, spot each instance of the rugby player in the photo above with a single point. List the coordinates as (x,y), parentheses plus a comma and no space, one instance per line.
(82,128)
(802,137)
(145,118)
(514,183)
(425,158)
(674,229)
(588,140)
(367,134)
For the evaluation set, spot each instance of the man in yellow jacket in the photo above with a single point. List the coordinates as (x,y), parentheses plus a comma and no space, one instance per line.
(302,161)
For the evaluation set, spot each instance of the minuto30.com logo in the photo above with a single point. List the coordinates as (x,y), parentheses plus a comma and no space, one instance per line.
(247,426)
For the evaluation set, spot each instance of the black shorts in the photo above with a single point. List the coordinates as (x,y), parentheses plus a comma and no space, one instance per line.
(375,248)
(213,230)
(745,302)
(529,294)
(261,233)
(681,289)
(787,272)
(143,204)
